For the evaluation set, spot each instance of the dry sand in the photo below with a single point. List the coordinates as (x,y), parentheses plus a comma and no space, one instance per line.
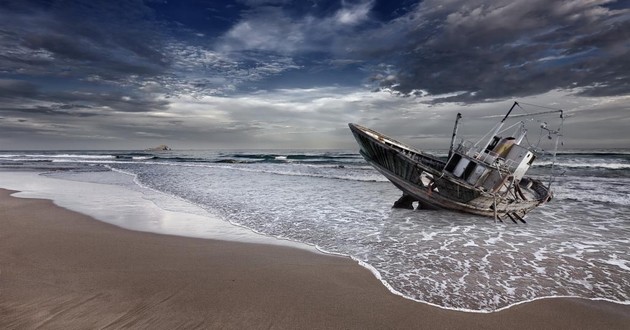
(64,270)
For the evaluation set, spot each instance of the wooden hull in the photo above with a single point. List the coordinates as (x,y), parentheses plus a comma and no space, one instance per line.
(421,177)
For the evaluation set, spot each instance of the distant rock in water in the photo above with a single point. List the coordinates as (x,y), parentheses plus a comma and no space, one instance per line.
(229,161)
(161,147)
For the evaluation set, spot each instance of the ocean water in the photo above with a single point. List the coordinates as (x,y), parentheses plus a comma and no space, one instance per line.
(577,245)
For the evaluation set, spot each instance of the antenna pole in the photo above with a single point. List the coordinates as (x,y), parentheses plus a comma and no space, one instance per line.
(450,150)
(510,111)
(499,126)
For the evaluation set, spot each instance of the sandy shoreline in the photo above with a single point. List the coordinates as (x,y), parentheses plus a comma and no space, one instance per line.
(60,269)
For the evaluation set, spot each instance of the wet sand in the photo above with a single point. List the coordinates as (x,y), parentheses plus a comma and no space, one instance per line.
(63,270)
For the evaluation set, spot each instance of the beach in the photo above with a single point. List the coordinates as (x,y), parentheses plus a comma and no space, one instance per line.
(333,202)
(61,270)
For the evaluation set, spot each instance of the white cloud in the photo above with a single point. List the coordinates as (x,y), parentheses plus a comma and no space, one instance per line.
(353,15)
(273,29)
(268,29)
(317,118)
(199,71)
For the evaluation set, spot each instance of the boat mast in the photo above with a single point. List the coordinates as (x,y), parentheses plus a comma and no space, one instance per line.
(450,150)
(499,126)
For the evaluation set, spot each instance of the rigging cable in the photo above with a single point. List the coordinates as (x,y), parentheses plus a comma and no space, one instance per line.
(550,132)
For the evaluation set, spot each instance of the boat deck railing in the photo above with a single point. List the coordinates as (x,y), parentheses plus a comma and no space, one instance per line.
(489,158)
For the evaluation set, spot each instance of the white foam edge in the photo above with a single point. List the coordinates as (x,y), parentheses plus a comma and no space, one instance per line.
(283,240)
(137,213)
(391,289)
(377,274)
(29,193)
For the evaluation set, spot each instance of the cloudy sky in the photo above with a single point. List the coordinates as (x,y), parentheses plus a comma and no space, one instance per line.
(127,74)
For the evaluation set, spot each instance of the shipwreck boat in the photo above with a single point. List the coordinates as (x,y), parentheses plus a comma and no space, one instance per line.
(486,179)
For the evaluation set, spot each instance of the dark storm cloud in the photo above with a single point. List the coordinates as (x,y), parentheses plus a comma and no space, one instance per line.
(124,44)
(48,110)
(474,50)
(113,39)
(500,49)
(10,88)
(271,73)
(465,50)
(27,98)
(116,100)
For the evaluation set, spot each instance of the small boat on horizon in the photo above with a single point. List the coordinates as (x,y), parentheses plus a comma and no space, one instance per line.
(485,178)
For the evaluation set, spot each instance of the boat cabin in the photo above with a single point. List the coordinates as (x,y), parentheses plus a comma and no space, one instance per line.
(492,168)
